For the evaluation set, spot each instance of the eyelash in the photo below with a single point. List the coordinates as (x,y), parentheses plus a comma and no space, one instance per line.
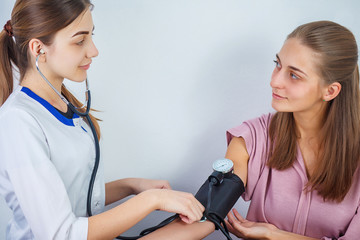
(292,75)
(277,64)
(82,41)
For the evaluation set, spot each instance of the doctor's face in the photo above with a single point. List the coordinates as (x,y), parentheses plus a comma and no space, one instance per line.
(70,54)
(295,82)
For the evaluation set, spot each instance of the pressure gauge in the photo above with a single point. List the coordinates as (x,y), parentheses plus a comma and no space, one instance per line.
(223,165)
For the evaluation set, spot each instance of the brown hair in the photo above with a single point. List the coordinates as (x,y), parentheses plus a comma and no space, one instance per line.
(39,19)
(339,152)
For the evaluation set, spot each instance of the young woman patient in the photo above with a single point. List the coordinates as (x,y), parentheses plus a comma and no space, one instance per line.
(300,164)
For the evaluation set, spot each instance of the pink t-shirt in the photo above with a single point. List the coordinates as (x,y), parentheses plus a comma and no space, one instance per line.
(278,197)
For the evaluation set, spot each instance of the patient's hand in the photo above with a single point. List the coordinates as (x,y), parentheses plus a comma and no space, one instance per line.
(243,228)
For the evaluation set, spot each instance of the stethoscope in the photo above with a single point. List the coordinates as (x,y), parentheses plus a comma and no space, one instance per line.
(97,151)
(91,124)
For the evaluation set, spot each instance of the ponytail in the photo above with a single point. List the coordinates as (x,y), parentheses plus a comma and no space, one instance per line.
(356,75)
(8,56)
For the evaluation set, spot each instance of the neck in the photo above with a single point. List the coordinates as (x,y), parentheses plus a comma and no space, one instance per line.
(309,124)
(38,85)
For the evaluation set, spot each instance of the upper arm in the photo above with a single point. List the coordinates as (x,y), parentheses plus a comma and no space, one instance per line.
(238,153)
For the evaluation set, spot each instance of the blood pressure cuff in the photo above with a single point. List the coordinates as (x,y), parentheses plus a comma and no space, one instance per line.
(223,195)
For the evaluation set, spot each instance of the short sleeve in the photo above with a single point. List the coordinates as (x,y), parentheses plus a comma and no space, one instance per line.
(255,134)
(30,182)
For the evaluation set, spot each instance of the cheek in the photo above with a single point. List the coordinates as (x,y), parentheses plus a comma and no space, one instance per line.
(68,57)
(70,65)
(304,94)
(298,94)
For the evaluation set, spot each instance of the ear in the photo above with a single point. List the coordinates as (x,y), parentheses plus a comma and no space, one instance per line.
(35,46)
(331,91)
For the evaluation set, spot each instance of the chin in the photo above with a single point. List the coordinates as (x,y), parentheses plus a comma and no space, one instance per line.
(280,107)
(79,78)
(275,106)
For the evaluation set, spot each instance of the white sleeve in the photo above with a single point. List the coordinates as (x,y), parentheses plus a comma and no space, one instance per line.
(34,181)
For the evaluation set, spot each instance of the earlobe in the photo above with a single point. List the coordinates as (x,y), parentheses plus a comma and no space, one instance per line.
(332,91)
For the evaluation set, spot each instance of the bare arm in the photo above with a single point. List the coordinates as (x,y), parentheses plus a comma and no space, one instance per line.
(237,152)
(112,223)
(179,230)
(282,235)
(119,189)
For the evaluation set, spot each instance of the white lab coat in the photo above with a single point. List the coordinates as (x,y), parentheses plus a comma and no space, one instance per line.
(46,162)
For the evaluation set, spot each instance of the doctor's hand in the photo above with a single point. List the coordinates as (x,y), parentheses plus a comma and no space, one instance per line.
(141,184)
(243,228)
(185,204)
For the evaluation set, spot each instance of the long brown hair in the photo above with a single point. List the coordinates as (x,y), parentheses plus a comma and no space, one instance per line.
(339,150)
(40,19)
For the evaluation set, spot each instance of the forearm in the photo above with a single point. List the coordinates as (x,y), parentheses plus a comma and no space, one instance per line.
(117,190)
(179,230)
(283,235)
(113,222)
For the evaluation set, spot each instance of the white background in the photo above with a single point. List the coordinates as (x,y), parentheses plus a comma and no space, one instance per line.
(172,76)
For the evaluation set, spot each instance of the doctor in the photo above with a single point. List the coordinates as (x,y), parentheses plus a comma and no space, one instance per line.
(47,151)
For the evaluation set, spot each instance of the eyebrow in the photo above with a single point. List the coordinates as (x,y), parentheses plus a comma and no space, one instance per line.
(291,67)
(83,32)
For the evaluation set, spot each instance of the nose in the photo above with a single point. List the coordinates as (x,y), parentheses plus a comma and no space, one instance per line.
(92,51)
(277,80)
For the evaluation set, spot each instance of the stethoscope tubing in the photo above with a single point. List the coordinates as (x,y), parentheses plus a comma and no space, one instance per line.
(92,127)
(97,149)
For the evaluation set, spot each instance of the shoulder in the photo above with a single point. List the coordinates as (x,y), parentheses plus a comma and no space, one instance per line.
(254,132)
(17,110)
(259,124)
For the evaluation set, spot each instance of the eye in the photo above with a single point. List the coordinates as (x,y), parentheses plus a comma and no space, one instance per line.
(80,42)
(294,76)
(277,64)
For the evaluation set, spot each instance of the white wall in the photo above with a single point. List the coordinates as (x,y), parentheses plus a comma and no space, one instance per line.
(172,76)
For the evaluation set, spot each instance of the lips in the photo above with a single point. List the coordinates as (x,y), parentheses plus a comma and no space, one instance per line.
(85,67)
(278,97)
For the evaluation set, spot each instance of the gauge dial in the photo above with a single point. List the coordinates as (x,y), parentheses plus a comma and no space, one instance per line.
(223,165)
